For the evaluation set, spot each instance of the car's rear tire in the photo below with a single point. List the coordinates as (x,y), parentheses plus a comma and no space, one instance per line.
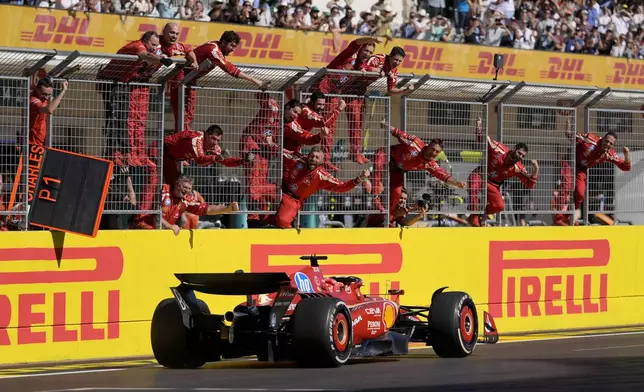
(453,324)
(175,346)
(322,332)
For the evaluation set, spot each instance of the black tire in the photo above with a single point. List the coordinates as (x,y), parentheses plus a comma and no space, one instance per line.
(453,324)
(322,332)
(175,346)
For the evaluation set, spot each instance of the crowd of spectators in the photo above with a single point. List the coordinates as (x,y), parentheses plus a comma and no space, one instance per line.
(609,27)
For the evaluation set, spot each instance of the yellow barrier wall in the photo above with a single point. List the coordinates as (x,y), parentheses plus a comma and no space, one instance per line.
(95,298)
(40,28)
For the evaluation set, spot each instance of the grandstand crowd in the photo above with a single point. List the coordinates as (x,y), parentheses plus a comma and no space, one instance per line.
(310,124)
(608,28)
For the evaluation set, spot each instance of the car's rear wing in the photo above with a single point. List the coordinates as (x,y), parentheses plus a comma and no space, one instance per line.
(234,283)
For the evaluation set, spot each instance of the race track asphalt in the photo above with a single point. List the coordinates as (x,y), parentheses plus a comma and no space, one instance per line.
(593,363)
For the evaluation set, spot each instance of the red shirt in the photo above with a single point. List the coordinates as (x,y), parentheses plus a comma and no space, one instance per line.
(345,60)
(498,171)
(379,62)
(308,119)
(177,49)
(295,136)
(266,122)
(187,145)
(211,51)
(589,153)
(37,120)
(126,71)
(301,182)
(172,207)
(408,156)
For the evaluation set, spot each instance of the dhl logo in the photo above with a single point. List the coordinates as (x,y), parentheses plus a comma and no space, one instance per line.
(425,58)
(565,69)
(486,65)
(553,294)
(328,52)
(32,309)
(261,46)
(69,31)
(264,258)
(627,73)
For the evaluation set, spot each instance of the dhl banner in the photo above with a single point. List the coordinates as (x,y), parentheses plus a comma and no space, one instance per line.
(71,298)
(30,27)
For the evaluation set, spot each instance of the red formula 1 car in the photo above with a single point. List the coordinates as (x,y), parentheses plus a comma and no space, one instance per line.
(308,318)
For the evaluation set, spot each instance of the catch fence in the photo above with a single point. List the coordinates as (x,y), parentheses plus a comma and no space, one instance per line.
(127,123)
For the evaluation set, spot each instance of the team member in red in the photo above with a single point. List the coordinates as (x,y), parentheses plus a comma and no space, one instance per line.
(39,110)
(303,176)
(310,118)
(179,199)
(592,150)
(126,106)
(202,147)
(411,154)
(294,133)
(260,190)
(171,47)
(216,52)
(561,196)
(502,164)
(350,59)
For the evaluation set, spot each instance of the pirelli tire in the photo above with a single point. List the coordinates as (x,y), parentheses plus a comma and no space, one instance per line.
(175,346)
(453,324)
(322,332)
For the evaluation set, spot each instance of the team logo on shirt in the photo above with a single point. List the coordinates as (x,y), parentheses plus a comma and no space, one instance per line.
(166,202)
(300,166)
(293,187)
(414,153)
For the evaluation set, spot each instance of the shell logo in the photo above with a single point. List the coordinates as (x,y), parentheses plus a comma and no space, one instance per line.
(389,315)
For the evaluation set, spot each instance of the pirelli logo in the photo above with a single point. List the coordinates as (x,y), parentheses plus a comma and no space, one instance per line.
(544,278)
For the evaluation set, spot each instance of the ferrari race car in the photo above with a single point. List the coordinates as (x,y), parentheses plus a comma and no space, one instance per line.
(305,317)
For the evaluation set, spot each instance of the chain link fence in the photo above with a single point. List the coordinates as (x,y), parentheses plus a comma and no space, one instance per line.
(249,168)
(103,116)
(538,115)
(451,110)
(610,190)
(354,136)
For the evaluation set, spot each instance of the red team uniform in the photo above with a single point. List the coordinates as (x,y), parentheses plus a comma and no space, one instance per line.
(208,51)
(259,189)
(298,183)
(561,197)
(171,50)
(127,106)
(589,154)
(406,156)
(295,136)
(332,84)
(187,145)
(37,121)
(497,172)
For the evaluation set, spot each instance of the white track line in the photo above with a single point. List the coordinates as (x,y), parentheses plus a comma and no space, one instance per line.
(251,359)
(609,347)
(191,389)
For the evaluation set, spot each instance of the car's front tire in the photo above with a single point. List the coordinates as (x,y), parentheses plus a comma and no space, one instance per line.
(175,346)
(453,324)
(322,332)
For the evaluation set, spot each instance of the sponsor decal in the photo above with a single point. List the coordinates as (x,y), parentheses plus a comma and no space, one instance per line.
(356,321)
(548,286)
(66,30)
(30,309)
(390,255)
(372,311)
(303,283)
(565,69)
(629,73)
(373,324)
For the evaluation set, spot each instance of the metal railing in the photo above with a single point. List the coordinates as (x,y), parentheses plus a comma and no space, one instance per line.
(539,116)
(127,123)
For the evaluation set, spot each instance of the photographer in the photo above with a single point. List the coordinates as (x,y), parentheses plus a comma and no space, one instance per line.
(400,214)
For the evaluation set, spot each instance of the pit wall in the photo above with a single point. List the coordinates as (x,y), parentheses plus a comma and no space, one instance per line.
(72,298)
